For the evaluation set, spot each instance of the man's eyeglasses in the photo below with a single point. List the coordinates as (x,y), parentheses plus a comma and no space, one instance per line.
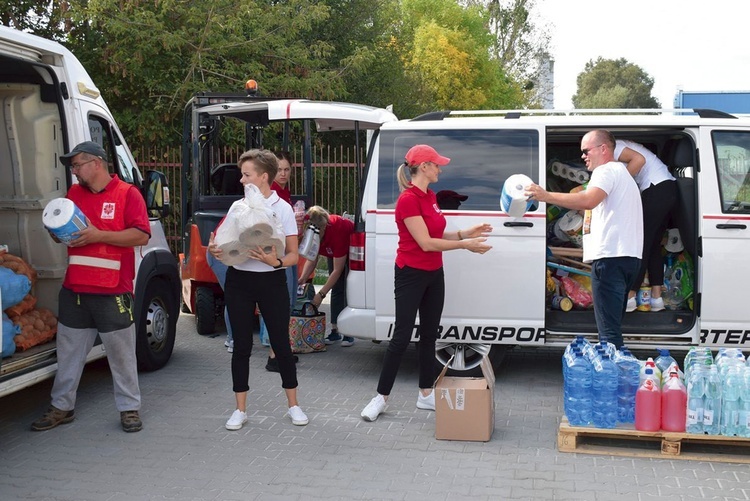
(585,151)
(78,166)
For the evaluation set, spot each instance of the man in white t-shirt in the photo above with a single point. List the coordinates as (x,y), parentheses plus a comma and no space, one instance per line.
(612,229)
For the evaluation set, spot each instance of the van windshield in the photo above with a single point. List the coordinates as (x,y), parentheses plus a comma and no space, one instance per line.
(481,161)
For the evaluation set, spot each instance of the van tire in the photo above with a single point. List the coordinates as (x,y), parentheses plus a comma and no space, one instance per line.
(205,311)
(156,327)
(495,354)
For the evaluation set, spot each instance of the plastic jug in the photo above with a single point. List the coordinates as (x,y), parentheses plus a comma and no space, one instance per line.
(648,407)
(673,404)
(628,382)
(604,393)
(310,243)
(663,361)
(578,390)
(649,364)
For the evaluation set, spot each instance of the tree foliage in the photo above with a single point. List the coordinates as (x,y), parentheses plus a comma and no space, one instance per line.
(149,57)
(610,83)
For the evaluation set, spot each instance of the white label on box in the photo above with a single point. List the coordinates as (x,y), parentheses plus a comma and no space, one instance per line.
(446,395)
(460,398)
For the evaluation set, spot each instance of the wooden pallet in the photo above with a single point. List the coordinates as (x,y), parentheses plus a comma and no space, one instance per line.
(625,440)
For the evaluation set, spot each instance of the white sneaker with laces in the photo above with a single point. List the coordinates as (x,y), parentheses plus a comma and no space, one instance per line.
(299,418)
(427,403)
(657,304)
(374,408)
(631,305)
(236,421)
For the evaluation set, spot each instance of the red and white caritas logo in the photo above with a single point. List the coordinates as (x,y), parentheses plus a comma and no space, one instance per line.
(108,210)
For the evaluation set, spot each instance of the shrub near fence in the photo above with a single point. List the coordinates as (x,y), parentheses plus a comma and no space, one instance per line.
(335,182)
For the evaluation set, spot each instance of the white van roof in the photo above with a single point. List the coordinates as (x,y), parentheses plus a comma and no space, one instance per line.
(36,49)
(328,115)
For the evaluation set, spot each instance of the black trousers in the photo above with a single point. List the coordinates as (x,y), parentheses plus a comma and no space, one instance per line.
(415,290)
(243,291)
(658,201)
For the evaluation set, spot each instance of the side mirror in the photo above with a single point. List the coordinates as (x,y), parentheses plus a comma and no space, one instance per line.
(156,193)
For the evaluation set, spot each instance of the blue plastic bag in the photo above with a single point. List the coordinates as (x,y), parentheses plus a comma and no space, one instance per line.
(14,287)
(9,332)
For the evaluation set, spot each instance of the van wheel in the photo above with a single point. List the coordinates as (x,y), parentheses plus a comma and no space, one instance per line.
(468,357)
(205,311)
(157,324)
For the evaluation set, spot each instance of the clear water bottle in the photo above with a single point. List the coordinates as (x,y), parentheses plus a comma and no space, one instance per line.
(712,402)
(604,393)
(730,408)
(696,385)
(578,390)
(744,424)
(628,369)
(663,361)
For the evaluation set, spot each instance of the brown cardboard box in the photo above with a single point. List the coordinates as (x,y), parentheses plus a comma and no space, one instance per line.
(465,406)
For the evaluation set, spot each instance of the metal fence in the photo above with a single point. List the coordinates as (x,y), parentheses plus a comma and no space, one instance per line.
(335,182)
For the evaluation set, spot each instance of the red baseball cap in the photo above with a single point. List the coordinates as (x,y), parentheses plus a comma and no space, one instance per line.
(423,153)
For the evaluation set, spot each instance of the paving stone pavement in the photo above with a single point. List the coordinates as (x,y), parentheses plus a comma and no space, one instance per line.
(184,452)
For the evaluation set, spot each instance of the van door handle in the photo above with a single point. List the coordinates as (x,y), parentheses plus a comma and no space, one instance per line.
(510,224)
(731,226)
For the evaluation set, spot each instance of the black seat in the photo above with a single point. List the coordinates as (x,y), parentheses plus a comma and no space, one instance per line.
(684,215)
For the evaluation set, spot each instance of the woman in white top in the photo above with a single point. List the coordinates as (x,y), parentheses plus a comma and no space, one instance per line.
(659,195)
(261,281)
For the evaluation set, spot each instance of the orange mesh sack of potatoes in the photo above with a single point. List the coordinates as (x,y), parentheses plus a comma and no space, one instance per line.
(18,266)
(37,327)
(25,306)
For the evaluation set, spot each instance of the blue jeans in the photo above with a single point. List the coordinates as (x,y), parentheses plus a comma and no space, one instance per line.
(220,270)
(291,283)
(610,282)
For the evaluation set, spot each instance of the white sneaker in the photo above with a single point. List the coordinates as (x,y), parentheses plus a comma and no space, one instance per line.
(230,345)
(631,305)
(427,403)
(236,421)
(657,304)
(299,418)
(374,408)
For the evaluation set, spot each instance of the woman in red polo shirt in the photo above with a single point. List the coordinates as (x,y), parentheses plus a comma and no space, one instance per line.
(419,280)
(334,245)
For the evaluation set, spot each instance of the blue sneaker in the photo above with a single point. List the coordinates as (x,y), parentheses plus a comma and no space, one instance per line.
(347,341)
(334,337)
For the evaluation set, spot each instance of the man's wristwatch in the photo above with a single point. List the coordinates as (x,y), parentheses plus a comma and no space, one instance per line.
(322,294)
(281,263)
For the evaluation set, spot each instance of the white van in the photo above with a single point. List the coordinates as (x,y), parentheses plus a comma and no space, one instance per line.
(50,104)
(498,300)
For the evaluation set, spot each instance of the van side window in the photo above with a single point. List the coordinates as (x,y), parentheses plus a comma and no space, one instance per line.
(481,161)
(732,156)
(119,162)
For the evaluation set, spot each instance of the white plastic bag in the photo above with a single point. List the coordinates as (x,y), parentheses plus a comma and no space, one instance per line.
(249,223)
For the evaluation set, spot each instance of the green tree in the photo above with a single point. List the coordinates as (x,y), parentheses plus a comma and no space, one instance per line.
(41,17)
(519,44)
(614,83)
(148,58)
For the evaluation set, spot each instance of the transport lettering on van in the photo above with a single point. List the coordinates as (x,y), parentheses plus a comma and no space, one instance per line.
(725,336)
(483,333)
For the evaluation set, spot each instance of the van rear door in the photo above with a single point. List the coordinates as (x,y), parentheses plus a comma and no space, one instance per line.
(725,228)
